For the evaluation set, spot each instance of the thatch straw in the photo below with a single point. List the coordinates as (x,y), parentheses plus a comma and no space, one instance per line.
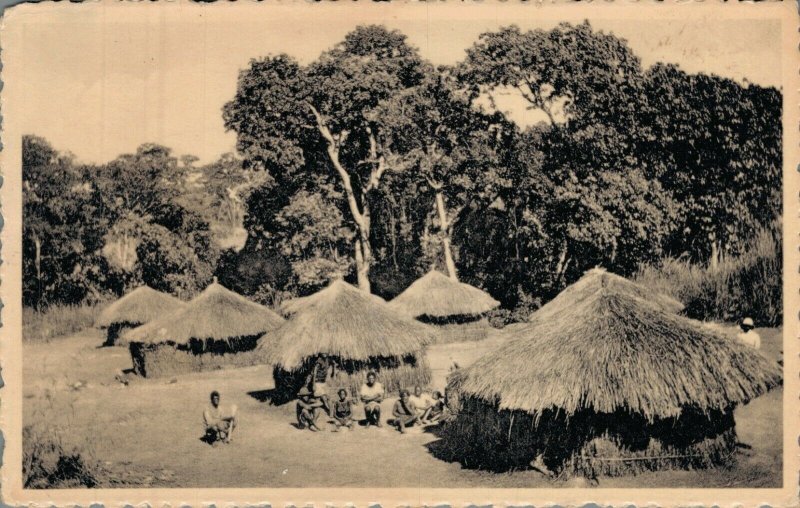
(346,323)
(140,306)
(605,349)
(597,277)
(215,314)
(437,295)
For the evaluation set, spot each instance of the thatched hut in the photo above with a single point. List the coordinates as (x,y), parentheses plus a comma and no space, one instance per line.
(457,310)
(219,328)
(357,331)
(605,383)
(140,306)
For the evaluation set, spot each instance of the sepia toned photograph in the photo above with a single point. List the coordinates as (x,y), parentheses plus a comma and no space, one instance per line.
(397,246)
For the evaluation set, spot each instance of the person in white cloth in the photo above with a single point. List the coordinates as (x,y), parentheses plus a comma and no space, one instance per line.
(748,335)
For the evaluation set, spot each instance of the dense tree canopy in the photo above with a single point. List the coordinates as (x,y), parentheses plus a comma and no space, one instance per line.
(371,164)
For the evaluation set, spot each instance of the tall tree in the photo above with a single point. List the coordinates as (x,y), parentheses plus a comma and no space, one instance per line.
(447,143)
(292,120)
(716,145)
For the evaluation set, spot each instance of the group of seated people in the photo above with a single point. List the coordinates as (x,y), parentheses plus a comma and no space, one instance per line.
(409,410)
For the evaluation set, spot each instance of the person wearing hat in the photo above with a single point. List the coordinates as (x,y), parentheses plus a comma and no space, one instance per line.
(748,335)
(308,408)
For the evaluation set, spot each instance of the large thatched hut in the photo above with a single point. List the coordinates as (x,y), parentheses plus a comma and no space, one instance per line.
(218,328)
(140,306)
(457,310)
(605,382)
(357,331)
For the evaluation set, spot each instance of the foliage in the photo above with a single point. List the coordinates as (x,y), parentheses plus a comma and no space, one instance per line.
(371,164)
(716,146)
(746,285)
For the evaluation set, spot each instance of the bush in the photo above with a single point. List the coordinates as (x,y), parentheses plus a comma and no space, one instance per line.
(58,320)
(748,285)
(48,463)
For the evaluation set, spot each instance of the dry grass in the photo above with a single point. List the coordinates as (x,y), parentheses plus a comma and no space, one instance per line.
(437,295)
(140,306)
(605,349)
(750,285)
(51,456)
(344,322)
(216,313)
(57,321)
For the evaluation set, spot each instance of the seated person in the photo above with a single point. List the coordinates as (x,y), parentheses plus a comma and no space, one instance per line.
(437,409)
(308,408)
(423,402)
(342,411)
(219,423)
(371,394)
(404,412)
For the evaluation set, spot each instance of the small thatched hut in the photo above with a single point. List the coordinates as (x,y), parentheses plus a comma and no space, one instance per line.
(605,382)
(456,309)
(140,306)
(218,328)
(357,331)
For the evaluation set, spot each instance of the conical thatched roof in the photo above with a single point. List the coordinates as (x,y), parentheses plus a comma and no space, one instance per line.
(437,295)
(141,305)
(216,313)
(604,349)
(344,321)
(595,277)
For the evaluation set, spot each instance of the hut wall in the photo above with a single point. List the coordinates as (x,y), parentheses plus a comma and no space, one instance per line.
(461,328)
(159,360)
(587,444)
(393,374)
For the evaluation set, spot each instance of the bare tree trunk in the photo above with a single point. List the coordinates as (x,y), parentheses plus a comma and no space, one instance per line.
(361,216)
(37,261)
(444,224)
(714,262)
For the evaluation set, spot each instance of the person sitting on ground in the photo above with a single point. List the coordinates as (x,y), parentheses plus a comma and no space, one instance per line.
(342,411)
(308,408)
(423,402)
(323,369)
(437,409)
(371,394)
(404,412)
(219,423)
(749,336)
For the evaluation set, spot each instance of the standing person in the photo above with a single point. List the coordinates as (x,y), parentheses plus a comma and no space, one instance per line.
(342,411)
(423,402)
(307,410)
(219,423)
(323,368)
(404,412)
(748,335)
(371,394)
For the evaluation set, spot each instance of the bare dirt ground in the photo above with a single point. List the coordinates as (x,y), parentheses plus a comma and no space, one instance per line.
(148,433)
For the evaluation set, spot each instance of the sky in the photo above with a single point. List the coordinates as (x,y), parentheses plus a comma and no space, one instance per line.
(100,82)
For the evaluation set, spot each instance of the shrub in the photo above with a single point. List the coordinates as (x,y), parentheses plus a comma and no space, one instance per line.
(748,285)
(58,320)
(48,463)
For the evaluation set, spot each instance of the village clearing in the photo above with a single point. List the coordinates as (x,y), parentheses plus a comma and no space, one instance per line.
(148,432)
